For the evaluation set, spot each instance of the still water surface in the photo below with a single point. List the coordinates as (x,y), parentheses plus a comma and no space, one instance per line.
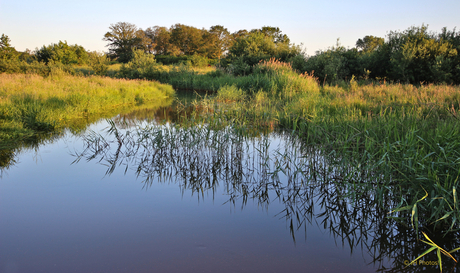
(58,215)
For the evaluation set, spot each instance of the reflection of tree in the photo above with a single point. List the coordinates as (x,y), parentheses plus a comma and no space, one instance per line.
(7,158)
(127,115)
(341,198)
(8,155)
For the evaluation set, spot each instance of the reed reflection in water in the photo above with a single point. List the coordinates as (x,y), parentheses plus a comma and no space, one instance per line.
(312,187)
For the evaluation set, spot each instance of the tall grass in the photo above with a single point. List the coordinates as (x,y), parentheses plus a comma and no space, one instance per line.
(31,103)
(269,75)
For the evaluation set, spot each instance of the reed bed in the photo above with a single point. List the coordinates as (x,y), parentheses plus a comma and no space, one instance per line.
(406,134)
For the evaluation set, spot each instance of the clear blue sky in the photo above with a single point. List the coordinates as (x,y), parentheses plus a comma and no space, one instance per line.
(315,24)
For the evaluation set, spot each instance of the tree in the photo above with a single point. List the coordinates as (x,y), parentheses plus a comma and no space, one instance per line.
(123,38)
(62,53)
(369,43)
(250,49)
(151,34)
(222,39)
(417,55)
(6,50)
(274,33)
(161,44)
(187,39)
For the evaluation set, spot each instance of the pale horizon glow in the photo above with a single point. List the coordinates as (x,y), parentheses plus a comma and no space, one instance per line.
(313,24)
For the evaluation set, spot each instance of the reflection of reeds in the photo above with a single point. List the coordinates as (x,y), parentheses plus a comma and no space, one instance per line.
(345,197)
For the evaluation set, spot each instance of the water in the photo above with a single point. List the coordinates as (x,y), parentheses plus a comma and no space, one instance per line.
(186,208)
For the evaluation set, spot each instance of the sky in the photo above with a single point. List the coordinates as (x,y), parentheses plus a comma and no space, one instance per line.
(316,25)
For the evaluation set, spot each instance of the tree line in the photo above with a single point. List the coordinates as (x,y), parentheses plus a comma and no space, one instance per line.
(183,40)
(415,55)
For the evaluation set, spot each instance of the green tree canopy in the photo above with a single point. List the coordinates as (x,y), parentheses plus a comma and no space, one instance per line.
(369,43)
(62,53)
(416,55)
(189,40)
(215,42)
(123,38)
(249,49)
(274,33)
(6,50)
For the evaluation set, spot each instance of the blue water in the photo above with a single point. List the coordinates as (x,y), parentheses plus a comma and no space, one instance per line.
(56,216)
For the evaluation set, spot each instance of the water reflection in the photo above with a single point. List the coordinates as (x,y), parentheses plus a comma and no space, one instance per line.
(9,154)
(312,188)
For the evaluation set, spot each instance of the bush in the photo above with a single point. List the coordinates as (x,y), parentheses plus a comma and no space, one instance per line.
(99,63)
(142,66)
(249,50)
(230,93)
(62,53)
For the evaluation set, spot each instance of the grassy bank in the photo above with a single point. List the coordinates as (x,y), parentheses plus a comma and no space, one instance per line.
(31,104)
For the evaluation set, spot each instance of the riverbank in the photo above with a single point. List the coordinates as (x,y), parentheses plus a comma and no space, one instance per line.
(32,104)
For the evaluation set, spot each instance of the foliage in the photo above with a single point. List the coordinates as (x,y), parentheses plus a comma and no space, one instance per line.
(332,65)
(98,62)
(230,93)
(219,41)
(7,52)
(160,37)
(142,66)
(369,43)
(413,56)
(123,38)
(188,40)
(195,60)
(62,53)
(248,50)
(274,33)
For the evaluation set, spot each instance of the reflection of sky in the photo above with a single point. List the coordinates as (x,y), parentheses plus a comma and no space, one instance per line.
(58,217)
(315,24)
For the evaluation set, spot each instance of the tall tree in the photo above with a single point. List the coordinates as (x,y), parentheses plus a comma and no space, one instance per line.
(123,38)
(6,50)
(186,38)
(160,37)
(224,39)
